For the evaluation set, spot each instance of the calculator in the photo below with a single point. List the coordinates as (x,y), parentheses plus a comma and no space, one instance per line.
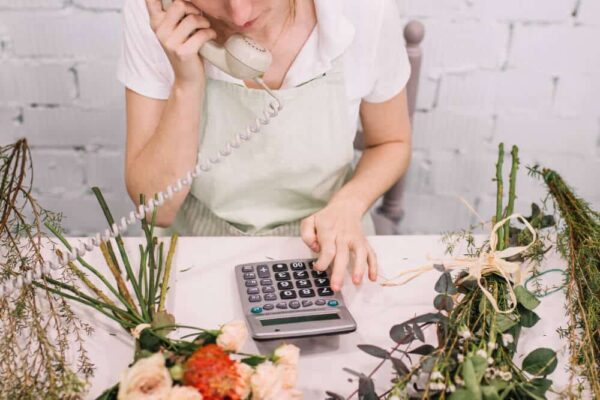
(288,299)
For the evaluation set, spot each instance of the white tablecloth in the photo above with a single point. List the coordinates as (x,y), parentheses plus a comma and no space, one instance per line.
(203,293)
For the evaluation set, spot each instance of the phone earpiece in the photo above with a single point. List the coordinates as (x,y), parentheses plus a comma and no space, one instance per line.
(240,57)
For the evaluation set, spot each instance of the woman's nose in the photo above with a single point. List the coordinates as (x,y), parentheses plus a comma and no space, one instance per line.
(241,11)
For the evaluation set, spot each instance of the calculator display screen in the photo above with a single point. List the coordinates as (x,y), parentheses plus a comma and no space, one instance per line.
(293,320)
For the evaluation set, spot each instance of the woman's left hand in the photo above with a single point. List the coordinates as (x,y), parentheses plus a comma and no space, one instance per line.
(336,233)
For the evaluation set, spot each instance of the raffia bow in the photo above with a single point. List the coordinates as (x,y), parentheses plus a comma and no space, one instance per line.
(492,261)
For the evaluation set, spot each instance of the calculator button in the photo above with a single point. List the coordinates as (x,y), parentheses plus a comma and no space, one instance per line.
(333,303)
(321,282)
(307,293)
(320,302)
(312,263)
(247,268)
(268,306)
(268,289)
(325,291)
(256,310)
(298,266)
(266,282)
(254,298)
(282,306)
(282,276)
(251,283)
(303,283)
(280,267)
(294,304)
(252,290)
(319,274)
(285,285)
(270,297)
(307,303)
(263,271)
(300,275)
(249,275)
(287,294)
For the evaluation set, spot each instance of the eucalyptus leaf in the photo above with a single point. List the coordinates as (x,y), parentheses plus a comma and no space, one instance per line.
(399,366)
(542,385)
(149,341)
(504,322)
(470,378)
(443,302)
(540,362)
(418,332)
(526,298)
(334,396)
(439,267)
(352,372)
(423,350)
(528,317)
(366,389)
(109,394)
(464,394)
(479,366)
(402,333)
(490,393)
(374,350)
(445,285)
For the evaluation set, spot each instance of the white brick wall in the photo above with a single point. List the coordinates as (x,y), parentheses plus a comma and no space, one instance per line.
(520,71)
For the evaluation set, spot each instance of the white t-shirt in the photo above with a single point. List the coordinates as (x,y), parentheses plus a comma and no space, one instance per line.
(368,34)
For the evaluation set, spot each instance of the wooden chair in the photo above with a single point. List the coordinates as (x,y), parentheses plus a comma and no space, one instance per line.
(388,214)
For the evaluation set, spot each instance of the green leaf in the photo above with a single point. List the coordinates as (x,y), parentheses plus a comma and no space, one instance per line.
(334,396)
(528,317)
(445,285)
(490,393)
(541,384)
(402,333)
(161,319)
(374,350)
(463,394)
(540,362)
(366,389)
(443,302)
(504,322)
(109,394)
(479,366)
(526,298)
(423,350)
(253,361)
(470,378)
(149,341)
(418,332)
(399,366)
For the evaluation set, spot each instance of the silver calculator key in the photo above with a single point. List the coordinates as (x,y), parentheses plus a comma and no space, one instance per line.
(247,268)
(254,298)
(249,275)
(266,282)
(268,289)
(252,290)
(263,271)
(294,304)
(307,303)
(268,306)
(282,306)
(270,297)
(280,267)
(320,302)
(251,283)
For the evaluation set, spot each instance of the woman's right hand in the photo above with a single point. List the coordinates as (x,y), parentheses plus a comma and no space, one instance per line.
(181,30)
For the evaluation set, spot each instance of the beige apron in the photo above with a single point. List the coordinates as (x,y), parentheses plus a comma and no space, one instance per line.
(285,173)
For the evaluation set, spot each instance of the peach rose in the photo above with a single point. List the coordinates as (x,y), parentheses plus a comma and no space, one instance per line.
(233,336)
(287,354)
(244,386)
(184,393)
(147,379)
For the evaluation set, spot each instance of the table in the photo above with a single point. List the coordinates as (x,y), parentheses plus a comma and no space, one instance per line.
(203,294)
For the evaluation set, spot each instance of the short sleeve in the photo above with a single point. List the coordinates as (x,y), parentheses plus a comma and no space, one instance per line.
(143,65)
(391,66)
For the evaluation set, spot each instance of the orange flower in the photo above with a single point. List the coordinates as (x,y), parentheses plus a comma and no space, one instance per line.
(213,373)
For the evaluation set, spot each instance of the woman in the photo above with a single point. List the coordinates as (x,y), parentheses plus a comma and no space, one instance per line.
(333,62)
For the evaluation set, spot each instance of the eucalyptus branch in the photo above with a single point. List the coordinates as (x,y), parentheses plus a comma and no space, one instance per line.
(511,192)
(499,194)
(165,281)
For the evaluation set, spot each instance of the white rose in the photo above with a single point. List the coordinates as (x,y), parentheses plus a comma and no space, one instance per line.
(147,379)
(244,386)
(233,336)
(267,382)
(289,376)
(184,393)
(287,354)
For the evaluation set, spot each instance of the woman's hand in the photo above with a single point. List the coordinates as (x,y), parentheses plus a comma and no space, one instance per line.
(336,233)
(181,30)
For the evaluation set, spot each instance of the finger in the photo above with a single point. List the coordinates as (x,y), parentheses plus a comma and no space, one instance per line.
(326,240)
(360,263)
(175,14)
(186,28)
(372,264)
(308,232)
(340,264)
(197,40)
(155,12)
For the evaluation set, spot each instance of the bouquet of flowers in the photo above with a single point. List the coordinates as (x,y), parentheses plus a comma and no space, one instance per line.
(200,364)
(481,310)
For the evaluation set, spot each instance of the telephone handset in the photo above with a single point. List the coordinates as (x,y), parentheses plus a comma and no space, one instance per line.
(240,56)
